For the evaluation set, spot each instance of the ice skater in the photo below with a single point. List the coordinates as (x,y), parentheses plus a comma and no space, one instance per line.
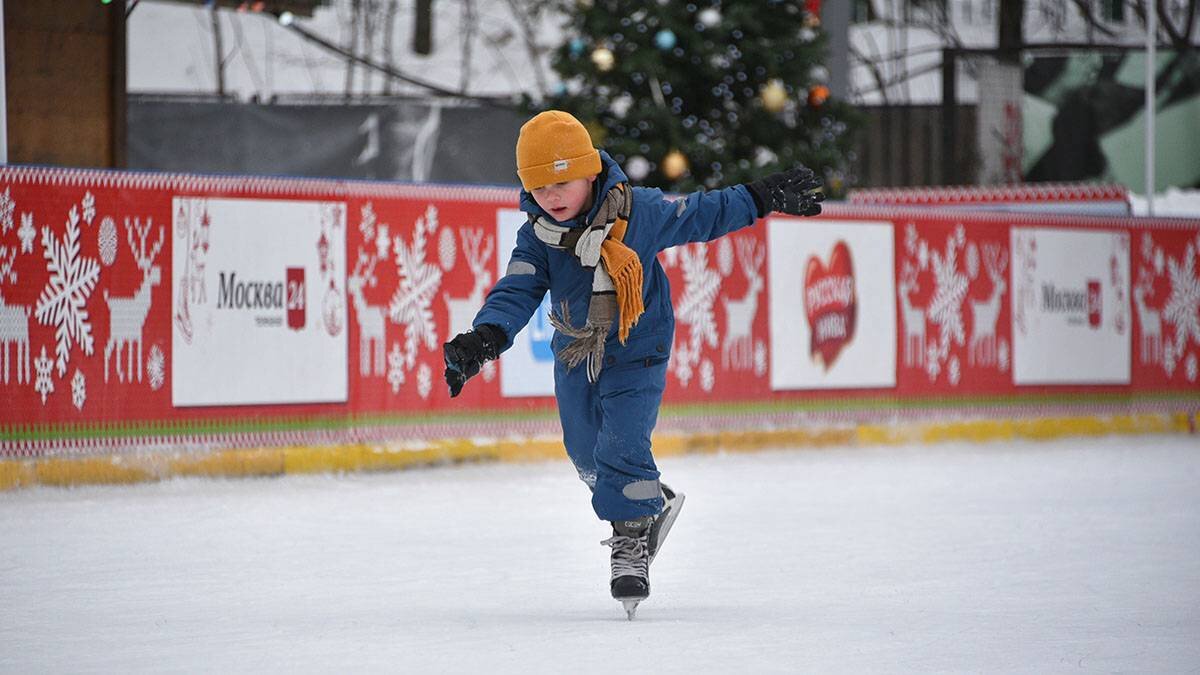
(592,241)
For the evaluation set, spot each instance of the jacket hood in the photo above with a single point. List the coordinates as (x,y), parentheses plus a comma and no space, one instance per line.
(610,175)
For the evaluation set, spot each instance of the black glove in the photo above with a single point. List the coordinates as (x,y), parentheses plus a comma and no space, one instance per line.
(791,192)
(467,352)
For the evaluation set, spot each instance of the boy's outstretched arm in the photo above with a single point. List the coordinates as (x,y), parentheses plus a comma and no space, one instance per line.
(507,308)
(793,192)
(707,215)
(467,352)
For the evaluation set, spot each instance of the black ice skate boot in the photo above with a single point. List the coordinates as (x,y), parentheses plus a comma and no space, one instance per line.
(630,561)
(672,503)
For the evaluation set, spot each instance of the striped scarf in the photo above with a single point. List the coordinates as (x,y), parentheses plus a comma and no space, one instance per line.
(616,284)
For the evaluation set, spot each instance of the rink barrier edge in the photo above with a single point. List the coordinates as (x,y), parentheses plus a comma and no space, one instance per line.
(117,469)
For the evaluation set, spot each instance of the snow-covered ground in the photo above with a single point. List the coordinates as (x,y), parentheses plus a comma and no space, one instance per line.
(1080,555)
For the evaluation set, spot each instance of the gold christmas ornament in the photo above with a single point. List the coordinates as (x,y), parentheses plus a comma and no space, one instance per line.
(773,95)
(674,165)
(603,59)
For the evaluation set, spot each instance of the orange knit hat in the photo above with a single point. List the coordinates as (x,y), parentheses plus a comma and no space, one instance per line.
(554,148)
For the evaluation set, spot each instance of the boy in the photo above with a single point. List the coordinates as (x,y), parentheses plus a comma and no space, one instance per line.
(592,241)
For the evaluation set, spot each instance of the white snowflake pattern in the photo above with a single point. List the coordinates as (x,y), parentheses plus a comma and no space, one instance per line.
(945,309)
(107,241)
(684,360)
(8,257)
(708,376)
(1192,368)
(447,249)
(695,308)
(1182,308)
(89,207)
(953,371)
(395,371)
(760,358)
(1002,355)
(156,367)
(411,304)
(27,233)
(933,365)
(43,384)
(78,390)
(972,260)
(911,238)
(488,371)
(367,224)
(424,381)
(63,301)
(381,241)
(7,207)
(725,256)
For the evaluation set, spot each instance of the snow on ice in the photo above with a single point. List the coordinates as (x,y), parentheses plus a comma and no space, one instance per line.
(1068,556)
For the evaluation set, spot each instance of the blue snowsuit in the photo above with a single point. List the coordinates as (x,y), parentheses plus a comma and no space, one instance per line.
(607,425)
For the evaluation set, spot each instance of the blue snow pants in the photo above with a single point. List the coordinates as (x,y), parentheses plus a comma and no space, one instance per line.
(606,429)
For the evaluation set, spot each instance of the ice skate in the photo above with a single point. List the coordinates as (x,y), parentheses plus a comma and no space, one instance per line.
(630,581)
(630,608)
(672,503)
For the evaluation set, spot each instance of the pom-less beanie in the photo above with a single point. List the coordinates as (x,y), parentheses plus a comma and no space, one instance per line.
(554,148)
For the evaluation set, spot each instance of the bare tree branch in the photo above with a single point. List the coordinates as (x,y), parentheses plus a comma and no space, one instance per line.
(1085,10)
(525,22)
(872,65)
(468,45)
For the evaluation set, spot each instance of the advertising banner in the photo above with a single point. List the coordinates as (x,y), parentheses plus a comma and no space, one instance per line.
(259,302)
(527,368)
(1071,322)
(832,304)
(953,293)
(172,309)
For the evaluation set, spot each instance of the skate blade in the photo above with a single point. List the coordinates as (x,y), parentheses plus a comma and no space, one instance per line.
(667,523)
(630,607)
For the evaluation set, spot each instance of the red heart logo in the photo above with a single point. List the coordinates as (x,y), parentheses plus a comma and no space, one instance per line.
(831,304)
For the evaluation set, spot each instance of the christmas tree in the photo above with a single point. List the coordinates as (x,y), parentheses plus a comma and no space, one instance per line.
(703,93)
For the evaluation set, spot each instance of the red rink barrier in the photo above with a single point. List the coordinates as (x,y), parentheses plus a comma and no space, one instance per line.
(149,310)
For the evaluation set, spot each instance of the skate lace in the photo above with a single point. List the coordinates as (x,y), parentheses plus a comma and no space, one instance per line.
(630,555)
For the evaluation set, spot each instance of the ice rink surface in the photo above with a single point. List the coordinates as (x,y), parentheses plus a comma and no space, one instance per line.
(1074,556)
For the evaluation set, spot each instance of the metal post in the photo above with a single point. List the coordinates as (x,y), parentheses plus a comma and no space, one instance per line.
(835,19)
(218,49)
(1151,72)
(949,115)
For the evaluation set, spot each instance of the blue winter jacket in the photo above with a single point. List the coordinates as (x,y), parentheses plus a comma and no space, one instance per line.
(655,223)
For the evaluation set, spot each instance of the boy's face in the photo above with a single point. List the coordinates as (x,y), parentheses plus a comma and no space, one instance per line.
(564,201)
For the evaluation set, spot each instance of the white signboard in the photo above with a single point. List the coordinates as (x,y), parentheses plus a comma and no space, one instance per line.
(1071,322)
(527,368)
(833,304)
(258,302)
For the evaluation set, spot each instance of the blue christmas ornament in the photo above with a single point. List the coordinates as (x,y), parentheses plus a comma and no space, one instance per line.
(664,40)
(577,46)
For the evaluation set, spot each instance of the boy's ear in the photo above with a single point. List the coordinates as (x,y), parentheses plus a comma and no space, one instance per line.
(592,178)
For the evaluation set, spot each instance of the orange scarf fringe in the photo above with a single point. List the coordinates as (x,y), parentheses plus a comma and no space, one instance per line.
(625,269)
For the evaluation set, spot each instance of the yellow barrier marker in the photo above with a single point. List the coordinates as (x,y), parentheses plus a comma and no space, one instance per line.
(352,458)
